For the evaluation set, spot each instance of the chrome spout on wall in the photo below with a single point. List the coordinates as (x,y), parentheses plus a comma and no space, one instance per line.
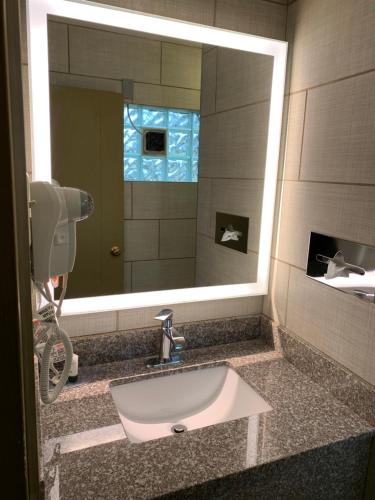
(353,274)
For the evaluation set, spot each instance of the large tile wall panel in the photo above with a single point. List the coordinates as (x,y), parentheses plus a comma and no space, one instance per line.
(162,274)
(181,66)
(252,16)
(88,324)
(204,211)
(112,55)
(187,10)
(164,200)
(127,277)
(26,117)
(275,302)
(169,97)
(345,211)
(58,44)
(234,143)
(292,136)
(208,86)
(239,197)
(177,238)
(339,143)
(252,84)
(128,200)
(193,311)
(331,40)
(219,265)
(141,240)
(336,323)
(85,82)
(23,31)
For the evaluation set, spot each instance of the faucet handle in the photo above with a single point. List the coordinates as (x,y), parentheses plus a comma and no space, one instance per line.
(178,341)
(164,314)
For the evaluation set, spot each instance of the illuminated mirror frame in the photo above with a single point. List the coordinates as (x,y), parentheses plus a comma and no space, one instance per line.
(37,14)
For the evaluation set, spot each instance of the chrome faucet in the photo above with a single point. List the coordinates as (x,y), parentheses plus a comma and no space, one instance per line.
(170,343)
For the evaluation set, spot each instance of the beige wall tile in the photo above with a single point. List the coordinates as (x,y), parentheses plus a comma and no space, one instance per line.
(187,10)
(338,324)
(330,39)
(252,16)
(339,143)
(88,324)
(177,238)
(164,200)
(141,240)
(181,66)
(218,265)
(242,78)
(234,143)
(338,210)
(26,117)
(127,277)
(275,302)
(112,55)
(23,31)
(58,46)
(208,86)
(162,274)
(204,206)
(170,97)
(239,197)
(128,213)
(85,82)
(193,311)
(291,140)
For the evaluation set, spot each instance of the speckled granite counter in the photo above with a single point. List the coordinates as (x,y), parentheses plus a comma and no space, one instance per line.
(309,439)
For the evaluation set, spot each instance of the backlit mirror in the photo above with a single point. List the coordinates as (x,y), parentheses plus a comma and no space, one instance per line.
(173,138)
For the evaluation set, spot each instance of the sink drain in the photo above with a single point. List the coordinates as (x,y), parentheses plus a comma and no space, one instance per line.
(178,428)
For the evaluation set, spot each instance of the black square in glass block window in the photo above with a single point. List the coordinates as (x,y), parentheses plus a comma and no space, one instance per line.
(154,141)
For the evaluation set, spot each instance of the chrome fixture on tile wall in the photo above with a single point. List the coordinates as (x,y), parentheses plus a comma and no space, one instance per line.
(342,264)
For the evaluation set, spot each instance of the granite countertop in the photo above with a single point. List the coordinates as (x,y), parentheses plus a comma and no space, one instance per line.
(87,455)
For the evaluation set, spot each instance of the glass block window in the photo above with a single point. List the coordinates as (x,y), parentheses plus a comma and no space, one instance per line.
(180,163)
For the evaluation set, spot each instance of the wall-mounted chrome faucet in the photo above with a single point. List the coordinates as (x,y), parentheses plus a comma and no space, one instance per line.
(345,265)
(170,343)
(338,267)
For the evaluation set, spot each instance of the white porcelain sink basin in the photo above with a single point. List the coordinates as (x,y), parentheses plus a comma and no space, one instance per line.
(157,407)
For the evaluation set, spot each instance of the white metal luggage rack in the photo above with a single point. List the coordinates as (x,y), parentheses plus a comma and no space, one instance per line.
(37,16)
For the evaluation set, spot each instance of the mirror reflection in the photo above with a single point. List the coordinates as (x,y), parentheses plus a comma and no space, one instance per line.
(170,139)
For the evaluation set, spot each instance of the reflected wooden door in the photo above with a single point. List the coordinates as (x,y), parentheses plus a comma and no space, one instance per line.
(87,153)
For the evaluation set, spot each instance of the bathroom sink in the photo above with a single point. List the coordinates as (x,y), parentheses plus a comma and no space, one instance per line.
(175,403)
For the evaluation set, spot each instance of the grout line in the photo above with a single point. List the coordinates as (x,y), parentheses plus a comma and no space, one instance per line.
(161,260)
(232,178)
(161,63)
(283,4)
(216,65)
(132,200)
(236,108)
(117,80)
(288,263)
(121,31)
(332,82)
(68,40)
(338,183)
(215,12)
(211,48)
(159,240)
(303,136)
(287,295)
(162,218)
